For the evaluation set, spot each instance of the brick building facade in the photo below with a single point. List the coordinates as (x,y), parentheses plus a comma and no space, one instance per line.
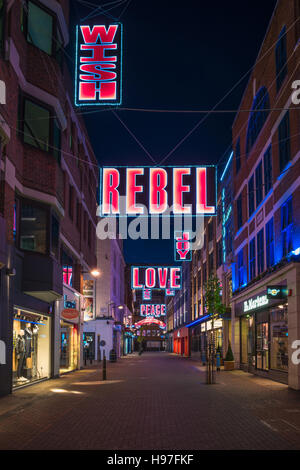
(49,180)
(266,191)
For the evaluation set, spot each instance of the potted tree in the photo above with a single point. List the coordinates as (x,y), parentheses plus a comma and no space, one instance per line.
(229,359)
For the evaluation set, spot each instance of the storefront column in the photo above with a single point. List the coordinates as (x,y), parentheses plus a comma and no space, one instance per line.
(293,282)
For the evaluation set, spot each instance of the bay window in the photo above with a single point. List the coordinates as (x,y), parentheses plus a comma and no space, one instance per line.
(39,127)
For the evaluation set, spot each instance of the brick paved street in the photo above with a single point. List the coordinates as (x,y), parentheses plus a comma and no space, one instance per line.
(156,401)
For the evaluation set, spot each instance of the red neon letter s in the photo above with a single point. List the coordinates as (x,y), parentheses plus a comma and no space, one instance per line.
(132,189)
(110,195)
(179,189)
(158,195)
(201,206)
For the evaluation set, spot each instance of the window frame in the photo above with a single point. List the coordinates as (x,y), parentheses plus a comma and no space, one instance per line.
(252,259)
(251,196)
(260,252)
(259,193)
(23,97)
(281,58)
(284,143)
(268,169)
(269,240)
(19,204)
(56,30)
(287,226)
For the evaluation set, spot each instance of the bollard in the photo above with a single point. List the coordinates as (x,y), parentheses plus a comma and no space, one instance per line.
(104,367)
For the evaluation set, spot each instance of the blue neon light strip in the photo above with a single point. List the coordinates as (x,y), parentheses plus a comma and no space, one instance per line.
(199,320)
(32,322)
(227,164)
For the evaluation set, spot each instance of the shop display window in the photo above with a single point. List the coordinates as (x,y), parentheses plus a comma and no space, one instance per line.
(69,347)
(279,339)
(31,347)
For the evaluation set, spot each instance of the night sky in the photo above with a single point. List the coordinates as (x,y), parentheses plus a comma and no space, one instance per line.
(177,56)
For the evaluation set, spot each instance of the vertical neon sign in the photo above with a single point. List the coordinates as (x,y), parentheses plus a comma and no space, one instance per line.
(98,68)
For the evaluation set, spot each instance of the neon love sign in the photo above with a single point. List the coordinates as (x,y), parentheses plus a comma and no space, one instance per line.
(98,70)
(154,277)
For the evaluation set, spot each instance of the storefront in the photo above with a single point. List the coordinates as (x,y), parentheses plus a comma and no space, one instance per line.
(127,346)
(181,343)
(89,349)
(263,333)
(69,340)
(31,347)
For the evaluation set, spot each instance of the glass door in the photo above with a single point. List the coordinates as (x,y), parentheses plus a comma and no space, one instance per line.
(262,346)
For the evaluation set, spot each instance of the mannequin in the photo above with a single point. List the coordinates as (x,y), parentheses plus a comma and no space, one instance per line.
(20,353)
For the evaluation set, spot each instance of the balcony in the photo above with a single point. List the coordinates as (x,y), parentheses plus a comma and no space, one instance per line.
(42,277)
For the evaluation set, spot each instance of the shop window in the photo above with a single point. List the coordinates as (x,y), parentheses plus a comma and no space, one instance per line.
(31,348)
(2,22)
(270,243)
(67,264)
(279,339)
(252,259)
(268,169)
(281,58)
(68,347)
(251,202)
(39,128)
(258,184)
(258,116)
(260,251)
(33,228)
(239,212)
(238,156)
(54,236)
(262,346)
(287,227)
(284,142)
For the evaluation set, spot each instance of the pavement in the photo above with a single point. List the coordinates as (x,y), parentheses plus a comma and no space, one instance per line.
(156,401)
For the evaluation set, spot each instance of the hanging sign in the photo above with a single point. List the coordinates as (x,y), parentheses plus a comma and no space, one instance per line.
(98,69)
(144,191)
(155,277)
(182,246)
(153,310)
(69,314)
(149,321)
(277,292)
